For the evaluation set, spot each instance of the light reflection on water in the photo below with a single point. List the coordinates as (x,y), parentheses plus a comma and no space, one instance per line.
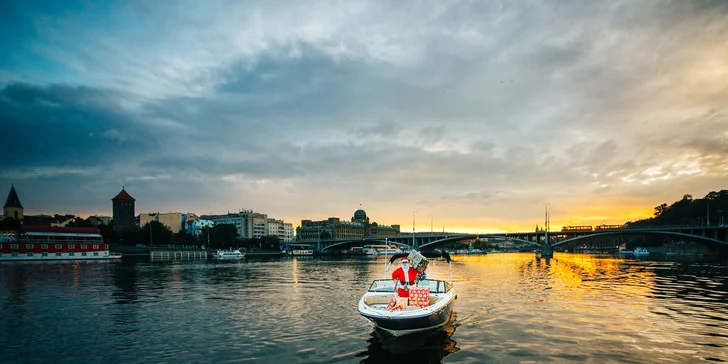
(510,308)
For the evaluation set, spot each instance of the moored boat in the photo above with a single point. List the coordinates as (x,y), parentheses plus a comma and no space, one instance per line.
(375,305)
(228,255)
(640,251)
(381,250)
(53,243)
(301,252)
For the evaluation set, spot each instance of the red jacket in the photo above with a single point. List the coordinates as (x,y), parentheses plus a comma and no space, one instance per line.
(398,275)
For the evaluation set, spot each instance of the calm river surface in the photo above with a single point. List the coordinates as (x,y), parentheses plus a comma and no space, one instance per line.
(511,308)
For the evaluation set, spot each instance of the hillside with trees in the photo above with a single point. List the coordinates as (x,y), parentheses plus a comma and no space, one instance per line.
(709,210)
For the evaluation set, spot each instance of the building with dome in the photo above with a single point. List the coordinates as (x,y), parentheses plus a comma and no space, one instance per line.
(334,228)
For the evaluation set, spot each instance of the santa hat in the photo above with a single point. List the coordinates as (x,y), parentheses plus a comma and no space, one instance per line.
(404,260)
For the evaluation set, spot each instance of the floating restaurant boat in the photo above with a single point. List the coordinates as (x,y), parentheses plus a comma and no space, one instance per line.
(53,243)
(228,255)
(375,304)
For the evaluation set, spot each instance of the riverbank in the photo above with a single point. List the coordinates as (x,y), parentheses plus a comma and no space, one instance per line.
(135,251)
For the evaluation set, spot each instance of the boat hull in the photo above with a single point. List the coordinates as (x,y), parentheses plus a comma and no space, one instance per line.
(399,326)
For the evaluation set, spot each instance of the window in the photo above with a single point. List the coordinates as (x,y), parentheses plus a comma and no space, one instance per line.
(71,254)
(44,246)
(45,254)
(96,246)
(14,254)
(59,246)
(83,246)
(83,254)
(71,246)
(96,254)
(29,246)
(13,246)
(30,254)
(106,246)
(58,254)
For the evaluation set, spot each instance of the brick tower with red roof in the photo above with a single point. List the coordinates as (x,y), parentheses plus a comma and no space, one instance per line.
(123,205)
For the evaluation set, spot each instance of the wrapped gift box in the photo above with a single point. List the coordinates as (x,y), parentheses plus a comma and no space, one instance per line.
(419,296)
(418,261)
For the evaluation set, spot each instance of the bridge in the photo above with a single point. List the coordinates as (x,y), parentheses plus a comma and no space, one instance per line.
(714,234)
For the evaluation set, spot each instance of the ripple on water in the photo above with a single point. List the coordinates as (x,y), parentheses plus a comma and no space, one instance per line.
(510,308)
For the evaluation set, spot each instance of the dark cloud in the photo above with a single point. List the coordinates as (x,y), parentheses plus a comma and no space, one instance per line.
(288,106)
(64,126)
(383,128)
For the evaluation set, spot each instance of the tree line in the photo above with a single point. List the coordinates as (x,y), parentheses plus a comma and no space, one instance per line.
(154,233)
(709,210)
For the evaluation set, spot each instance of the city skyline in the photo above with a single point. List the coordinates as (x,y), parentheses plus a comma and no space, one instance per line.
(463,116)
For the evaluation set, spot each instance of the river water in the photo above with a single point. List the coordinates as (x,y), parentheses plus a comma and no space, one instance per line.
(511,308)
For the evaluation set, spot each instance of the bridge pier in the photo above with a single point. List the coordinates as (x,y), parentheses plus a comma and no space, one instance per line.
(547,250)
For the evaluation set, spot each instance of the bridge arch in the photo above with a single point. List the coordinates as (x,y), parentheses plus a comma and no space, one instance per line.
(636,232)
(460,237)
(367,241)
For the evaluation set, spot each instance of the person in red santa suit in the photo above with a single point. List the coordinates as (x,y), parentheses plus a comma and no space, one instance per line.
(404,277)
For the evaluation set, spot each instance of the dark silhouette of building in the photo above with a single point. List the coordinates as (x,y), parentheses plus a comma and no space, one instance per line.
(13,208)
(335,228)
(123,205)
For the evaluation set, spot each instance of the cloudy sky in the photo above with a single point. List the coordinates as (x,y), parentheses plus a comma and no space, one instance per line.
(467,115)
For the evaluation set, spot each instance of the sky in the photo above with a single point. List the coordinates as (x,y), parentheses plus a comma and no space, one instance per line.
(460,115)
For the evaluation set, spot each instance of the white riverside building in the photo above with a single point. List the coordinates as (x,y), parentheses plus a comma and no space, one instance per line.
(252,225)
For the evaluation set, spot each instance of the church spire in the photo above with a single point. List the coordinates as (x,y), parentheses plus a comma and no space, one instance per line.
(13,200)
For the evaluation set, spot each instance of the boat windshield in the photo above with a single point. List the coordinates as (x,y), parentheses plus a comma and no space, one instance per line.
(387,285)
(382,285)
(435,286)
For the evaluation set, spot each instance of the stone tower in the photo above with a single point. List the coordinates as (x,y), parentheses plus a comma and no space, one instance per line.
(123,205)
(13,208)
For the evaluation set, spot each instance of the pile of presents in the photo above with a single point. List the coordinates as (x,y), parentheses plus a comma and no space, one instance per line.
(419,297)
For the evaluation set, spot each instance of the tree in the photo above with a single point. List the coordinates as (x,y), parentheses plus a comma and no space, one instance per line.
(660,209)
(222,236)
(106,233)
(160,234)
(132,236)
(271,242)
(80,222)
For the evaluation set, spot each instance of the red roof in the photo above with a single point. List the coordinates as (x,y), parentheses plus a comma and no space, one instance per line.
(123,195)
(58,229)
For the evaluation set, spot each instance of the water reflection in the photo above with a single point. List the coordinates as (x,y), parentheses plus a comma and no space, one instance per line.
(427,347)
(511,308)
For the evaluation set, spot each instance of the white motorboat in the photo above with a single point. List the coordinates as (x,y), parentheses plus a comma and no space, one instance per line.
(640,251)
(301,252)
(637,251)
(228,255)
(380,250)
(374,305)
